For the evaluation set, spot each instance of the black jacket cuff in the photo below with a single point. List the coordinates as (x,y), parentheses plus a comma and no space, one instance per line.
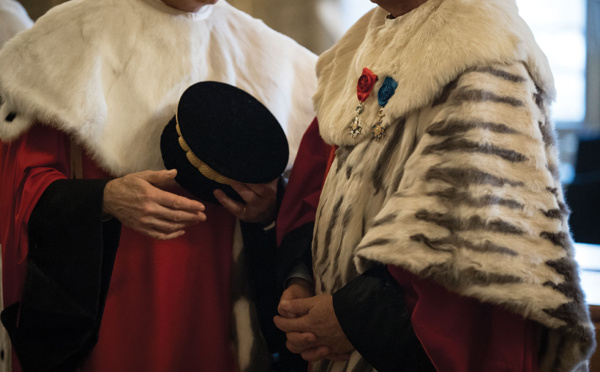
(294,249)
(373,314)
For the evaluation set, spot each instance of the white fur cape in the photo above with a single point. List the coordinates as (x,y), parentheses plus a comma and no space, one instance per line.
(114,82)
(464,187)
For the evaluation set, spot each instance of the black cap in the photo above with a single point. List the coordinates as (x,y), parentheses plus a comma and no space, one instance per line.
(222,133)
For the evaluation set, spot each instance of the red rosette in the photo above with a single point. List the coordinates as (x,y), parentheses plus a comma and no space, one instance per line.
(365,84)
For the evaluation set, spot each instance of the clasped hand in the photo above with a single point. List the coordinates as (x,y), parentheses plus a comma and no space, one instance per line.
(311,327)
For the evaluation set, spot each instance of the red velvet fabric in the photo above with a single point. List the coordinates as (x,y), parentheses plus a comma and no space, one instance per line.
(24,175)
(168,306)
(460,334)
(306,180)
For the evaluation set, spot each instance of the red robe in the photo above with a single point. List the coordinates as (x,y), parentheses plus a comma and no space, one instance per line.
(168,306)
(458,333)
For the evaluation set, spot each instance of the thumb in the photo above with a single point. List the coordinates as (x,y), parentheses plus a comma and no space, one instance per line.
(299,306)
(158,177)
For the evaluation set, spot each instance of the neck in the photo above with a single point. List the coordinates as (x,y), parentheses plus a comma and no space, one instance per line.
(402,7)
(192,8)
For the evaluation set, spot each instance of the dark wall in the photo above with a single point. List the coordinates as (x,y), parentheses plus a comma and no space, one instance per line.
(36,8)
(296,19)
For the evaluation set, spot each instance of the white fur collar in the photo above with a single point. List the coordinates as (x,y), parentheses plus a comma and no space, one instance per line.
(423,51)
(110,73)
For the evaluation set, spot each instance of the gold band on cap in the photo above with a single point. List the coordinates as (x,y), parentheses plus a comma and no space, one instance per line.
(202,167)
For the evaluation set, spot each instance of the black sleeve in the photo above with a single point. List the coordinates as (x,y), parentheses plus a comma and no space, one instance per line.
(295,248)
(373,315)
(261,267)
(259,256)
(264,268)
(69,265)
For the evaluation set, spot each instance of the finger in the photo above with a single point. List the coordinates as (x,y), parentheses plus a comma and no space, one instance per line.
(164,226)
(297,306)
(160,217)
(303,340)
(165,180)
(262,189)
(177,202)
(313,355)
(298,288)
(245,192)
(158,177)
(286,314)
(298,342)
(167,198)
(156,234)
(295,342)
(234,207)
(293,348)
(177,216)
(290,324)
(288,295)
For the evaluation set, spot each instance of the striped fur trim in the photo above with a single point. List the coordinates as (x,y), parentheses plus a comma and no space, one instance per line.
(250,347)
(464,191)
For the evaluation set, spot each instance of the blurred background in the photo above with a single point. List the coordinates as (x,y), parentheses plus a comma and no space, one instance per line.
(569,33)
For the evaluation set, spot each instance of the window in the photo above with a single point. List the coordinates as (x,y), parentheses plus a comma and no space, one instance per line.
(559,29)
(588,257)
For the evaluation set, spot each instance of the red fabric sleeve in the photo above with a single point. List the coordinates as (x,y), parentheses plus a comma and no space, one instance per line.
(27,166)
(302,193)
(462,334)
